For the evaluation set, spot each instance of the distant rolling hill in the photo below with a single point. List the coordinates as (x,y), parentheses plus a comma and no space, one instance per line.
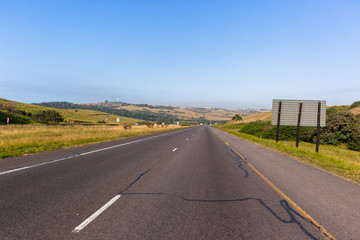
(21,113)
(188,113)
(156,113)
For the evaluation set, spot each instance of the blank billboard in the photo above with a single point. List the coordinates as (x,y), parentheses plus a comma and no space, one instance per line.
(290,112)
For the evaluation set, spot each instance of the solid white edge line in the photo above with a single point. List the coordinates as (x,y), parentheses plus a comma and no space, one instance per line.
(95,214)
(85,153)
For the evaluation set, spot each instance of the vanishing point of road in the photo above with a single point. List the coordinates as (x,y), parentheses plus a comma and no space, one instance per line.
(195,183)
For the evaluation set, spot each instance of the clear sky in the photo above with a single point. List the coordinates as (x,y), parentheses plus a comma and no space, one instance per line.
(231,54)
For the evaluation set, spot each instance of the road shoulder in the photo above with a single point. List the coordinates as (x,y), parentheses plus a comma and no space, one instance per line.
(328,198)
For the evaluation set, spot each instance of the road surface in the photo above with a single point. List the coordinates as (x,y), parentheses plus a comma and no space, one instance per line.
(196,183)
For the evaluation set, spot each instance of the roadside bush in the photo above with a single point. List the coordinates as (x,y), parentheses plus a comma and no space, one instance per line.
(255,128)
(288,133)
(341,127)
(354,142)
(48,116)
(355,145)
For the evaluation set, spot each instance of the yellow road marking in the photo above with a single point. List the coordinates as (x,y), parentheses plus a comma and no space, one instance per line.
(315,224)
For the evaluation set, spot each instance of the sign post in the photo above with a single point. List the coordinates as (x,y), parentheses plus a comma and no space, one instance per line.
(299,113)
(318,127)
(278,122)
(298,125)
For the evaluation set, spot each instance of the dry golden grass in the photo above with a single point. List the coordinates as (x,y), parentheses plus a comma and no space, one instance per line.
(264,116)
(355,110)
(18,140)
(131,108)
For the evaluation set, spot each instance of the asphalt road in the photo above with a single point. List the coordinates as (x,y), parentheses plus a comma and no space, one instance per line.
(197,183)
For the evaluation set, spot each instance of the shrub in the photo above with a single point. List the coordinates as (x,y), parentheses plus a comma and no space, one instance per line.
(354,145)
(255,128)
(289,133)
(341,127)
(48,116)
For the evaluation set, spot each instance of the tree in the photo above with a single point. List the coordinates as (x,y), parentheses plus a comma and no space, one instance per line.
(237,117)
(149,124)
(48,116)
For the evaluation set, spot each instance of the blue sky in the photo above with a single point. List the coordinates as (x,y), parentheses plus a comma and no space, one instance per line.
(231,54)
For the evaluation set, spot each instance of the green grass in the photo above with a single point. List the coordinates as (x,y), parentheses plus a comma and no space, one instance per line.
(90,116)
(334,159)
(14,118)
(16,140)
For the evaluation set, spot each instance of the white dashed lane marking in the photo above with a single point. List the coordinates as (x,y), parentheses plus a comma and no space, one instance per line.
(95,214)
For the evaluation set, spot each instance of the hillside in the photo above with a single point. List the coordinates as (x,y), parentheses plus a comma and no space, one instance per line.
(21,113)
(355,110)
(156,113)
(263,116)
(185,113)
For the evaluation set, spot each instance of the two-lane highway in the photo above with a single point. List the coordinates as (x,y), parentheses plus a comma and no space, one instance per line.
(197,183)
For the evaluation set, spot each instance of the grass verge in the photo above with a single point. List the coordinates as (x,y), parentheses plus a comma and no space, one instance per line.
(334,159)
(17,140)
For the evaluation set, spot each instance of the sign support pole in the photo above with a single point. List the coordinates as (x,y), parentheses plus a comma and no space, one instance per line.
(298,125)
(278,122)
(318,127)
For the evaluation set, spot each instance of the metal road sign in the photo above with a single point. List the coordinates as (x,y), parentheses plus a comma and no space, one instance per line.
(298,113)
(290,112)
